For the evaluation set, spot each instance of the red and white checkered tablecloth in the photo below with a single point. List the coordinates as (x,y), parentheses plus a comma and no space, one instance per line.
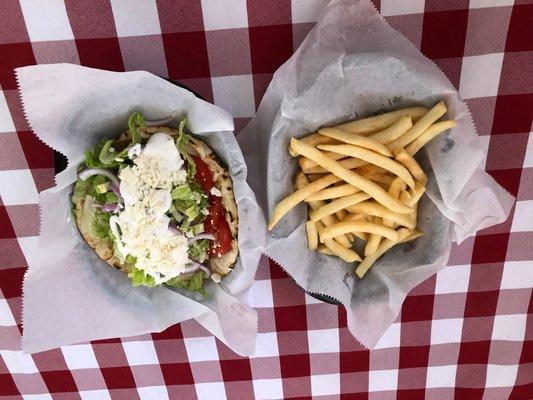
(467,333)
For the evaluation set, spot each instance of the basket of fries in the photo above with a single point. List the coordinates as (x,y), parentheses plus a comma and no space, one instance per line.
(365,183)
(372,168)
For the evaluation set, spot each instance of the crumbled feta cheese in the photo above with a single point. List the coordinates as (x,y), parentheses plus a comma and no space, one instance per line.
(216,277)
(215,192)
(111,149)
(143,223)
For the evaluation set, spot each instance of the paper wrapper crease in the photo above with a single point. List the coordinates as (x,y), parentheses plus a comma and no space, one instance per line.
(352,65)
(70,294)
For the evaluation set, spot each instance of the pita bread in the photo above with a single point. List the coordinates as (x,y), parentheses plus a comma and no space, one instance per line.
(222,181)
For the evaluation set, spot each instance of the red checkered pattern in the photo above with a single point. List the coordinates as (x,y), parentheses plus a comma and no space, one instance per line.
(466,333)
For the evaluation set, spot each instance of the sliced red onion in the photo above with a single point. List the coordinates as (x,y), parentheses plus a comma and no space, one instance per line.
(195,267)
(162,121)
(201,236)
(173,227)
(207,271)
(116,189)
(87,173)
(110,207)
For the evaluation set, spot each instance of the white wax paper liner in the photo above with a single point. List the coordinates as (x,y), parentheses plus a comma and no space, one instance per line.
(70,294)
(351,65)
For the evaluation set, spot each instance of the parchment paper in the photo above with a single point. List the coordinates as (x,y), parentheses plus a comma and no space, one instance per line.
(352,65)
(70,294)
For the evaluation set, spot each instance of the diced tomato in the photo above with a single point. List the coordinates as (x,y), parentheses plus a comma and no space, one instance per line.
(203,175)
(215,222)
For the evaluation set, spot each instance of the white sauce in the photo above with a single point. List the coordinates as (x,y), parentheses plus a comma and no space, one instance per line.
(146,188)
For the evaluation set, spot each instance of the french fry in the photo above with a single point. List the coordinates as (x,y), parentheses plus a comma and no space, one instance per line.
(354,217)
(333,192)
(362,167)
(291,201)
(315,177)
(361,235)
(337,205)
(312,235)
(313,140)
(378,122)
(375,239)
(341,228)
(370,169)
(361,141)
(306,164)
(385,179)
(419,126)
(301,182)
(405,197)
(414,235)
(348,163)
(430,133)
(368,261)
(346,254)
(377,210)
(340,216)
(417,193)
(360,179)
(396,186)
(411,164)
(385,136)
(324,250)
(373,243)
(350,177)
(372,157)
(394,131)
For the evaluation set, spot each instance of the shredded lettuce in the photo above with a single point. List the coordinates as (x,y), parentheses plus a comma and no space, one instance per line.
(189,200)
(106,156)
(94,189)
(131,260)
(139,278)
(111,197)
(135,122)
(194,284)
(101,224)
(92,158)
(198,250)
(182,142)
(81,188)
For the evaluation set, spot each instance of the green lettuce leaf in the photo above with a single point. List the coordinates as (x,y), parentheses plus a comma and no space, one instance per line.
(81,188)
(92,158)
(194,284)
(139,278)
(105,156)
(131,260)
(198,250)
(101,224)
(182,142)
(135,122)
(189,200)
